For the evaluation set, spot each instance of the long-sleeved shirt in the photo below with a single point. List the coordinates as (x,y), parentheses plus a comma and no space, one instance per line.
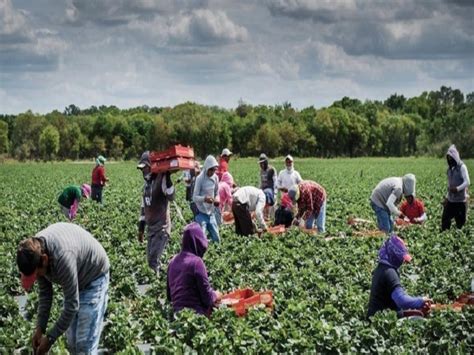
(76,258)
(187,283)
(386,292)
(69,195)
(206,186)
(388,193)
(154,210)
(312,197)
(225,196)
(98,176)
(287,179)
(255,198)
(414,211)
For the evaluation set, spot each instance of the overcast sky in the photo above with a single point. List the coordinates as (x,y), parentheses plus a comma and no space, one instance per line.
(163,52)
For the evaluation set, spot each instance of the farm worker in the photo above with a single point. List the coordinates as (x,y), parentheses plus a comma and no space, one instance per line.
(268,180)
(311,202)
(67,255)
(456,201)
(386,195)
(70,198)
(158,190)
(288,176)
(284,213)
(246,200)
(189,178)
(206,198)
(98,179)
(223,162)
(225,195)
(187,284)
(386,291)
(414,210)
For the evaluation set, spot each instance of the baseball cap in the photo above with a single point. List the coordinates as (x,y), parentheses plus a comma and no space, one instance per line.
(263,157)
(144,160)
(226,152)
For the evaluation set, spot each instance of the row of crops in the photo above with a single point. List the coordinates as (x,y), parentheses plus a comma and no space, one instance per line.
(321,288)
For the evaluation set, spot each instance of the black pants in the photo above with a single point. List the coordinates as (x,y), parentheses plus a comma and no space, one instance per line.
(242,218)
(96,193)
(456,210)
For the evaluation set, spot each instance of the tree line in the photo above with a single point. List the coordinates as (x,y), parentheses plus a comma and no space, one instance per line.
(398,126)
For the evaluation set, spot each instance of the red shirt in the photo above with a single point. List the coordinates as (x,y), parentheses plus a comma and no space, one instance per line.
(98,175)
(222,168)
(312,197)
(414,210)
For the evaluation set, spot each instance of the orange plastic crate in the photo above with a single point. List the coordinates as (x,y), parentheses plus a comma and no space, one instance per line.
(276,229)
(173,152)
(241,300)
(172,164)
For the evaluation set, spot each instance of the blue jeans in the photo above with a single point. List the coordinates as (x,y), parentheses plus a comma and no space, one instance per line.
(84,332)
(320,219)
(209,223)
(384,219)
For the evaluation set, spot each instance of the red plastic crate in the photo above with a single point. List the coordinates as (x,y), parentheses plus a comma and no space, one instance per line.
(172,164)
(173,152)
(241,300)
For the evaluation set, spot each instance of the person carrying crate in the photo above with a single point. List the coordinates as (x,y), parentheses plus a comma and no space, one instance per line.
(158,191)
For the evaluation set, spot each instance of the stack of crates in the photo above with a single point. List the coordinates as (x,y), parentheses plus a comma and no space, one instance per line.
(175,158)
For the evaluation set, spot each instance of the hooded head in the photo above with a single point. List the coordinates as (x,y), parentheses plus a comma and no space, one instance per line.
(210,163)
(454,154)
(86,190)
(228,179)
(100,160)
(394,252)
(294,193)
(289,162)
(194,240)
(409,184)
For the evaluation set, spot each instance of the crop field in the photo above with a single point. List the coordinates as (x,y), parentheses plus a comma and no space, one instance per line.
(321,287)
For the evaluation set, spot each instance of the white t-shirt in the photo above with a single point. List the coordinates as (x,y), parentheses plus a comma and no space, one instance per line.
(287,179)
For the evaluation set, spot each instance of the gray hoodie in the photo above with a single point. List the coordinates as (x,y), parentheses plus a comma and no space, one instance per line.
(389,192)
(458,177)
(206,186)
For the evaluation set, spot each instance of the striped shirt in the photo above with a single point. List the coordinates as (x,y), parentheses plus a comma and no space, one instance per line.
(76,259)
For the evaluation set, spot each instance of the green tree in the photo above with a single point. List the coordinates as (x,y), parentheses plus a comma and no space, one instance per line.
(4,143)
(116,149)
(49,142)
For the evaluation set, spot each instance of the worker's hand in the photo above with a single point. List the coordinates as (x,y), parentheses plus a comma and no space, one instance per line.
(216,203)
(453,189)
(36,339)
(140,237)
(401,215)
(208,199)
(427,302)
(43,347)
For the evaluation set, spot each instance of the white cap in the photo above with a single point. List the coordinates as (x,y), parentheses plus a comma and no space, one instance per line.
(289,157)
(226,152)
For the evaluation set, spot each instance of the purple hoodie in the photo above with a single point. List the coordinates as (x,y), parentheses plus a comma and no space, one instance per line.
(188,284)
